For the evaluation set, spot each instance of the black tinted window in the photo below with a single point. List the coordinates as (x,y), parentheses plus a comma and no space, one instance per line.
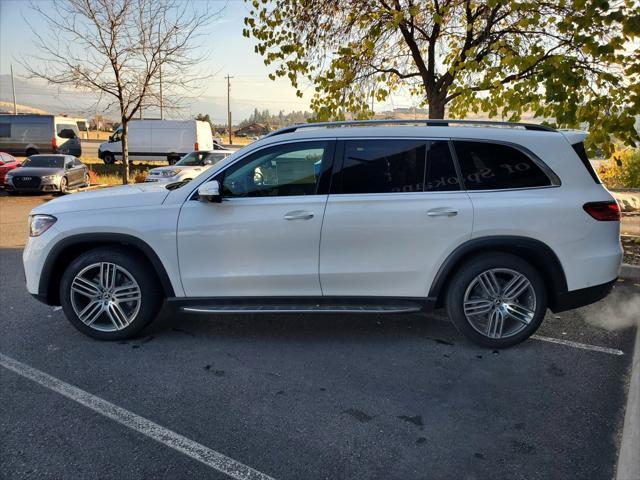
(382,166)
(491,166)
(44,161)
(441,174)
(283,170)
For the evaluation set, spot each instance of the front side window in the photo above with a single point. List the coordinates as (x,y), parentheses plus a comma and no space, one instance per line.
(282,170)
(493,166)
(61,127)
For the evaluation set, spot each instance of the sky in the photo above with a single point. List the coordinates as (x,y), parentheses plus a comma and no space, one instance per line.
(230,53)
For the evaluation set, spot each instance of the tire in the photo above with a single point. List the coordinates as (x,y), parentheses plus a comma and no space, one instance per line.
(64,183)
(86,181)
(494,317)
(31,151)
(102,320)
(108,158)
(172,159)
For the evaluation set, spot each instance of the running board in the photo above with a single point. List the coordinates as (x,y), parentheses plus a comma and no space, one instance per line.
(403,308)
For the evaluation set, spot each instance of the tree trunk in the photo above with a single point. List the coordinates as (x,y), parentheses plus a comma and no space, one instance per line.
(436,106)
(125,151)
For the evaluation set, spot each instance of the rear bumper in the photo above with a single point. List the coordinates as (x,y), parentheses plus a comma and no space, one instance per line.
(580,298)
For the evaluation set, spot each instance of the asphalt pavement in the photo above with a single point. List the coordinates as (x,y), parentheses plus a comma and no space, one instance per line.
(310,397)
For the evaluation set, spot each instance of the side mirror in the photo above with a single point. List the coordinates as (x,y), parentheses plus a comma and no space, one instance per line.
(210,192)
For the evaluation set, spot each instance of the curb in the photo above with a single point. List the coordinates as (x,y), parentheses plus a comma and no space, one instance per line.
(629,456)
(630,272)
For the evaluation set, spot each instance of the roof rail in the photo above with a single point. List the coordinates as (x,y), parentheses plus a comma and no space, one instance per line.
(428,123)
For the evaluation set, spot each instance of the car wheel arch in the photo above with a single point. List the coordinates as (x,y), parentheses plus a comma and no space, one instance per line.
(69,248)
(536,252)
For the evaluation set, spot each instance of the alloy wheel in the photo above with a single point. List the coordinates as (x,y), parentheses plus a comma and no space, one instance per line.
(105,297)
(499,303)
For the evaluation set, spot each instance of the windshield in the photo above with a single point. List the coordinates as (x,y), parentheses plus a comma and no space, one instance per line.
(192,159)
(44,162)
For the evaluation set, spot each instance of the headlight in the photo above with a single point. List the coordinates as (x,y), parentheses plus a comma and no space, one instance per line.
(38,224)
(171,173)
(49,178)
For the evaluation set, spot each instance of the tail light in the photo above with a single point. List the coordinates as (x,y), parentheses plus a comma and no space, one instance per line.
(54,144)
(603,211)
(196,146)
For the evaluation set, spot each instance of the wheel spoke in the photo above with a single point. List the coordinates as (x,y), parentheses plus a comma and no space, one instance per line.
(117,316)
(489,283)
(85,287)
(107,275)
(477,306)
(126,293)
(496,324)
(91,312)
(520,313)
(516,287)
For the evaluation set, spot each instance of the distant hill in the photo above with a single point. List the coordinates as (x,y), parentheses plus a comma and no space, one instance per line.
(7,107)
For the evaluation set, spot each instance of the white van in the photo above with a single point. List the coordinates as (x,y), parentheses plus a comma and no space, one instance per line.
(158,140)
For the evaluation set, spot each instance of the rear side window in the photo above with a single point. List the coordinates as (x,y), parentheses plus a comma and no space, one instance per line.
(493,166)
(441,174)
(582,153)
(383,166)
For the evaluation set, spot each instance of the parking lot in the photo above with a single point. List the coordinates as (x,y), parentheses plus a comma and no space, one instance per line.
(307,396)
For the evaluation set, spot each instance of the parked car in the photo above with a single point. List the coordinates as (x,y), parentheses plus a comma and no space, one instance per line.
(48,173)
(189,167)
(7,162)
(33,134)
(495,222)
(158,140)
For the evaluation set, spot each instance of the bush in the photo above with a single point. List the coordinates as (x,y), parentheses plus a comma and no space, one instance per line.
(622,170)
(140,177)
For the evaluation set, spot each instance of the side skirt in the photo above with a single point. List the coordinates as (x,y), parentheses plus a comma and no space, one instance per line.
(219,305)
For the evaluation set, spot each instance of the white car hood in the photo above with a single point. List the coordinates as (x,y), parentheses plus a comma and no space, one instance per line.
(138,195)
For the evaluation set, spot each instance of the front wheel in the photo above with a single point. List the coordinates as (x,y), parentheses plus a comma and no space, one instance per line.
(497,300)
(109,294)
(63,186)
(108,158)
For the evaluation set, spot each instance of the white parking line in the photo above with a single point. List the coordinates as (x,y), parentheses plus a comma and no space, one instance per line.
(583,346)
(171,439)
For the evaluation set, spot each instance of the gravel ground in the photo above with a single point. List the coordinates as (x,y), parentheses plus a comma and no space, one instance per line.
(631,245)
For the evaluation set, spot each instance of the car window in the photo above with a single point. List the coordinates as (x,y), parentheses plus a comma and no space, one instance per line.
(383,166)
(192,159)
(282,170)
(77,163)
(212,158)
(44,161)
(491,166)
(441,175)
(5,130)
(67,126)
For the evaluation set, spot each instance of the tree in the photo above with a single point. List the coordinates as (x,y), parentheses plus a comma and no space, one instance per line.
(569,61)
(129,51)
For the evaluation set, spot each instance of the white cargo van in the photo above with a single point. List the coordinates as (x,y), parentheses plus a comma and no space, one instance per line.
(158,140)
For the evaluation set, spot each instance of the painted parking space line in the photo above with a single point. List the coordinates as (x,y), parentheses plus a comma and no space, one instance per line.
(169,438)
(582,346)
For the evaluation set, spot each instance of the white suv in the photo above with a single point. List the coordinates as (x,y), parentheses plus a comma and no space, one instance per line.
(496,222)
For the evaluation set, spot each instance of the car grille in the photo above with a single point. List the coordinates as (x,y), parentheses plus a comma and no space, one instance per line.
(26,182)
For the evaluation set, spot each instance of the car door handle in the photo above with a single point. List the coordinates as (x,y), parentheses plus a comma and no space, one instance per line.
(442,212)
(298,215)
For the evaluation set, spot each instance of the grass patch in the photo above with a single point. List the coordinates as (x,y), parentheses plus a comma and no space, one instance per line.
(112,174)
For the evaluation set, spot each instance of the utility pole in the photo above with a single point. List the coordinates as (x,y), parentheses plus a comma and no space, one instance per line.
(161,110)
(13,87)
(229,108)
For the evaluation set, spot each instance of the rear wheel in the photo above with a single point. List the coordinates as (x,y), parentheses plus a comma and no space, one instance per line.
(497,300)
(173,159)
(86,181)
(108,294)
